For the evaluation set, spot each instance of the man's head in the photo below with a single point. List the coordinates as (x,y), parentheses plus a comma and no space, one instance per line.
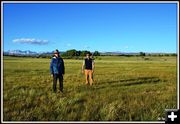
(88,55)
(56,53)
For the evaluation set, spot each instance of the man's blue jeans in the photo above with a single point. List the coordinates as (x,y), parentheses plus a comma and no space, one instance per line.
(55,77)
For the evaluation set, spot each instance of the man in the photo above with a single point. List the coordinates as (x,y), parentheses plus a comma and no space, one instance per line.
(57,70)
(88,63)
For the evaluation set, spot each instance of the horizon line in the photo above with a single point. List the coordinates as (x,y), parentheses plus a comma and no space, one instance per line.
(116,51)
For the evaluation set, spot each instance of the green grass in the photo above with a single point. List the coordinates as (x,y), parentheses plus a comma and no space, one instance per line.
(125,88)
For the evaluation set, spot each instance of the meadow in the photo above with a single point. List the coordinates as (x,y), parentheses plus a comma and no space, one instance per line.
(125,89)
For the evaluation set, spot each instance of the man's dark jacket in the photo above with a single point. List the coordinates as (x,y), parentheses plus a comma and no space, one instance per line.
(57,66)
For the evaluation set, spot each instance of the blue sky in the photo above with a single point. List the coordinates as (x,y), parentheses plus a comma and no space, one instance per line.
(130,27)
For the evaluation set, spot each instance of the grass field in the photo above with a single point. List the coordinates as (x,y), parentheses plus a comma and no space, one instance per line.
(125,89)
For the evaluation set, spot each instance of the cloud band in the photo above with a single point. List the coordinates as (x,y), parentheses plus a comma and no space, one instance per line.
(31,41)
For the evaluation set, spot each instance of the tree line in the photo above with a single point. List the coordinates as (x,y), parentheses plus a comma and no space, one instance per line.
(74,52)
(79,54)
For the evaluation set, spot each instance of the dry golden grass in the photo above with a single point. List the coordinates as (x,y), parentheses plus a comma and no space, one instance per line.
(125,88)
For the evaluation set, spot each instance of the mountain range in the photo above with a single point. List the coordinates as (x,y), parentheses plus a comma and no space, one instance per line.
(26,52)
(29,52)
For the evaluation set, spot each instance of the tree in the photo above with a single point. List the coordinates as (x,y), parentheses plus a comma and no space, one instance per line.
(71,52)
(83,53)
(78,53)
(142,54)
(96,53)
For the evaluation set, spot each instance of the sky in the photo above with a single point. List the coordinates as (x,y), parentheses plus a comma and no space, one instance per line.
(125,27)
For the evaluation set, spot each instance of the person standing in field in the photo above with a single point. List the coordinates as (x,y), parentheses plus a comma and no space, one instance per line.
(88,64)
(57,70)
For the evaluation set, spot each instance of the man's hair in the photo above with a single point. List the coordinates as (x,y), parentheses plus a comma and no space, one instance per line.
(56,51)
(88,53)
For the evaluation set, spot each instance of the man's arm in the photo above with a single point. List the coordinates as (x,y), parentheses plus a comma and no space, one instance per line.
(51,67)
(63,68)
(93,65)
(83,66)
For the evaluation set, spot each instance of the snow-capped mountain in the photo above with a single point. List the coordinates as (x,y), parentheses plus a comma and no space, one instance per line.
(20,52)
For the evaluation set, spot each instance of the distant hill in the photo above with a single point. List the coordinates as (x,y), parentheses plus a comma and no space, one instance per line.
(119,53)
(19,52)
(33,53)
(26,52)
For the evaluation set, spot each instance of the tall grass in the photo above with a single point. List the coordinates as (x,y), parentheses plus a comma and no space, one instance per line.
(125,89)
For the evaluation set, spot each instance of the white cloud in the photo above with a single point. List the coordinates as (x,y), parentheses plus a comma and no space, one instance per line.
(31,41)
